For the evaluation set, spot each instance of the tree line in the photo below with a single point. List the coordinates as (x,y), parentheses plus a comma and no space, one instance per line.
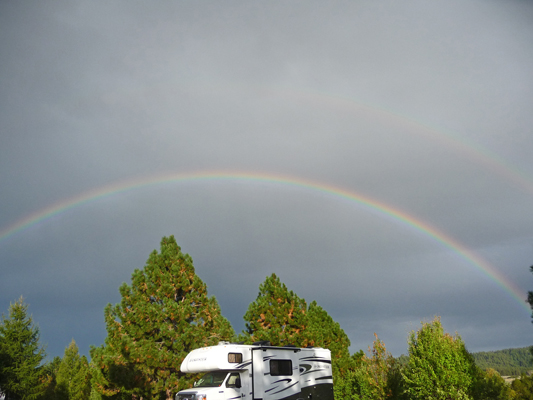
(166,312)
(508,362)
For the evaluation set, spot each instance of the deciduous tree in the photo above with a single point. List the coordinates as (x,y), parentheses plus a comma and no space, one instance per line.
(489,385)
(523,388)
(439,367)
(375,376)
(163,315)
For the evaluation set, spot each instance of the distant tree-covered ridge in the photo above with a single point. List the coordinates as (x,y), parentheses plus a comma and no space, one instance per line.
(508,362)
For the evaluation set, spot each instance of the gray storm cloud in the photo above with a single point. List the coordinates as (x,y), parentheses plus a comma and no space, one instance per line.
(422,107)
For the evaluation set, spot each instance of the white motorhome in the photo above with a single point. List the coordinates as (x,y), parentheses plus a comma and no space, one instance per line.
(259,372)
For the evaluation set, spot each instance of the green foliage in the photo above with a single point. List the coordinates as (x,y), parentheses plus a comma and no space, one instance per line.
(279,316)
(323,331)
(20,355)
(166,313)
(95,395)
(48,377)
(508,362)
(403,360)
(73,376)
(439,365)
(376,376)
(523,387)
(530,295)
(489,385)
(162,316)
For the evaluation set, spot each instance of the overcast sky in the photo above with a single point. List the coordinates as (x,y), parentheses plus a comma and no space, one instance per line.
(375,155)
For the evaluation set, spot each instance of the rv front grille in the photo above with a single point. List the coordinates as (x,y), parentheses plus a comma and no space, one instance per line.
(186,396)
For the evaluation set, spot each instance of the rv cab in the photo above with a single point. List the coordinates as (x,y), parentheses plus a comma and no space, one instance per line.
(214,385)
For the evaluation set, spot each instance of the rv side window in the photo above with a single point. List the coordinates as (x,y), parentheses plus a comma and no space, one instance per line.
(280,367)
(235,358)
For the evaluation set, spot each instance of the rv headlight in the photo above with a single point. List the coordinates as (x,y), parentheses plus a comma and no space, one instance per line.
(201,396)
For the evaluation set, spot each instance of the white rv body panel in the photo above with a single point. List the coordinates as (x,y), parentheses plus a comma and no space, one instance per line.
(214,358)
(264,372)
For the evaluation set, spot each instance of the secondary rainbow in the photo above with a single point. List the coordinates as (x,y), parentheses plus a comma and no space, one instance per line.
(453,141)
(381,208)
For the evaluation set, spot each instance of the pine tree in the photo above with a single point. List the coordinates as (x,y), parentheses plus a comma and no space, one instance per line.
(73,379)
(20,355)
(80,386)
(530,300)
(277,315)
(162,316)
(323,331)
(48,377)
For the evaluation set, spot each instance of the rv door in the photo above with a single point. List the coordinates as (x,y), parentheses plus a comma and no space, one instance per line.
(258,388)
(233,390)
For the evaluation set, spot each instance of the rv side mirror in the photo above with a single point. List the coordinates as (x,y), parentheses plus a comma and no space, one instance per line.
(238,382)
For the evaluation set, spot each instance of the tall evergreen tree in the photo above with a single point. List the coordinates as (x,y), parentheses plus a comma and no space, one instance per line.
(530,300)
(277,315)
(439,367)
(281,317)
(73,379)
(162,316)
(20,355)
(323,331)
(80,385)
(49,373)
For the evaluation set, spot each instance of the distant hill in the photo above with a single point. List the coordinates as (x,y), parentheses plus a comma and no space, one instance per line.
(508,362)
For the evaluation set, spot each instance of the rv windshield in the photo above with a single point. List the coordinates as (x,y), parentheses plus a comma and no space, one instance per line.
(212,379)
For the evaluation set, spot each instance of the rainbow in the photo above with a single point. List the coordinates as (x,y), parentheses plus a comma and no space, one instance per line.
(371,204)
